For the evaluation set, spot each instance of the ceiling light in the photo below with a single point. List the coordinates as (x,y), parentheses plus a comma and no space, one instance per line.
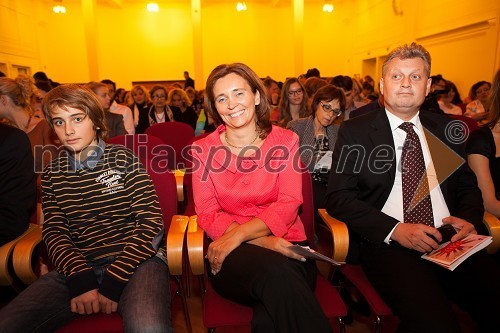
(153,7)
(240,6)
(58,7)
(328,8)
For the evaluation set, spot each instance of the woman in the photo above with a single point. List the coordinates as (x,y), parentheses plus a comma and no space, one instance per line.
(293,103)
(317,135)
(139,102)
(159,112)
(446,98)
(247,195)
(178,99)
(483,153)
(15,106)
(478,108)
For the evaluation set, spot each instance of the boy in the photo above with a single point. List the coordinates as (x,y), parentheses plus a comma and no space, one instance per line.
(103,230)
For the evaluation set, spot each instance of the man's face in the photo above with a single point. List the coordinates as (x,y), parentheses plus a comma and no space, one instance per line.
(111,91)
(404,86)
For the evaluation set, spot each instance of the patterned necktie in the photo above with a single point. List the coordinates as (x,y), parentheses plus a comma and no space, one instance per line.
(417,205)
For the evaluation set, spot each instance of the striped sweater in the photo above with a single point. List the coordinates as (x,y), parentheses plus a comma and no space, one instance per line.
(110,209)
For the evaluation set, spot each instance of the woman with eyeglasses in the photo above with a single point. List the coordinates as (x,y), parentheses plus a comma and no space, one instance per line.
(293,102)
(159,112)
(317,136)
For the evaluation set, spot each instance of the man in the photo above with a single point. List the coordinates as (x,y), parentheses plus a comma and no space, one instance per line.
(188,82)
(368,188)
(124,111)
(344,82)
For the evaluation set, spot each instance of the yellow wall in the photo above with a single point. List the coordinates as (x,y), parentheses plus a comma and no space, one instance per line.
(130,44)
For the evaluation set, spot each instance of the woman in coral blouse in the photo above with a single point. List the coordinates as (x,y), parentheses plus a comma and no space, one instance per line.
(247,194)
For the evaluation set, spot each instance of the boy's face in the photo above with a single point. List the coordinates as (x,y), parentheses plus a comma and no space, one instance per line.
(75,130)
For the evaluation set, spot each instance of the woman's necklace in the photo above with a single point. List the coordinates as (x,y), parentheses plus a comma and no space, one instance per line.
(237,147)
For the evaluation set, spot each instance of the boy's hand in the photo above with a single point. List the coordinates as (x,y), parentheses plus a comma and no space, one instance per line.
(86,303)
(107,306)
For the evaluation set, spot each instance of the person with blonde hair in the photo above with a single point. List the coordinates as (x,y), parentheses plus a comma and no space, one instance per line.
(15,106)
(140,103)
(177,98)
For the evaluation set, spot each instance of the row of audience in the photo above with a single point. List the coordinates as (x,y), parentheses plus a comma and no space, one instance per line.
(251,215)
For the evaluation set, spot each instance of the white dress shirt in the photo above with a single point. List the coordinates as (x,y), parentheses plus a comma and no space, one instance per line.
(394,204)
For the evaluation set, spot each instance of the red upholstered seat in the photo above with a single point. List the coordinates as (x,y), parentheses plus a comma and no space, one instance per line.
(176,135)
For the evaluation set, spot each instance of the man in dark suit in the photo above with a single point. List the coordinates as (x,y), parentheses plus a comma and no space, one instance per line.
(368,183)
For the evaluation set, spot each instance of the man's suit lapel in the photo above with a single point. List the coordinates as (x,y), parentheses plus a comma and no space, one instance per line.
(381,136)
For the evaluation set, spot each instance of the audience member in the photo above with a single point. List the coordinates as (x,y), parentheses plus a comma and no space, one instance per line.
(159,112)
(293,103)
(431,100)
(123,110)
(344,82)
(204,124)
(313,72)
(359,99)
(483,153)
(251,216)
(114,122)
(178,99)
(15,96)
(17,183)
(372,106)
(445,97)
(120,96)
(188,82)
(478,108)
(43,87)
(140,103)
(193,97)
(2,74)
(103,230)
(312,85)
(317,136)
(379,162)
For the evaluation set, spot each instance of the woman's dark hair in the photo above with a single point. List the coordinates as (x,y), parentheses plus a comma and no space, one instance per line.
(262,110)
(327,93)
(494,112)
(475,86)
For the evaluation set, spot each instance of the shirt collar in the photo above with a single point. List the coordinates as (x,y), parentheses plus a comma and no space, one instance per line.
(92,159)
(395,121)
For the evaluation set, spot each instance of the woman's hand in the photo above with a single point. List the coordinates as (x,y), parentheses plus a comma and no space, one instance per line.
(277,244)
(219,249)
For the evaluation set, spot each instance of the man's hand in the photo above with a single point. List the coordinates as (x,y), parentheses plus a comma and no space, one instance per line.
(107,306)
(277,244)
(416,236)
(86,303)
(462,227)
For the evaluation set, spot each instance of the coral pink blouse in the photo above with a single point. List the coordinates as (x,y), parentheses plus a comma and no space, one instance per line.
(266,185)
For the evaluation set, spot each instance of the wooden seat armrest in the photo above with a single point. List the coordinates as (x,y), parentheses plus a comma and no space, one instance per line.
(195,242)
(175,243)
(493,225)
(22,257)
(340,235)
(179,180)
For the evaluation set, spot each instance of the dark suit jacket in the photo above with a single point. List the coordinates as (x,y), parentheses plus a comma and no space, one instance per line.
(114,123)
(364,168)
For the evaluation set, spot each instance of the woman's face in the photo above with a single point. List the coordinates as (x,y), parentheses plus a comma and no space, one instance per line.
(177,101)
(103,97)
(191,95)
(235,102)
(159,98)
(295,94)
(327,112)
(138,96)
(482,93)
